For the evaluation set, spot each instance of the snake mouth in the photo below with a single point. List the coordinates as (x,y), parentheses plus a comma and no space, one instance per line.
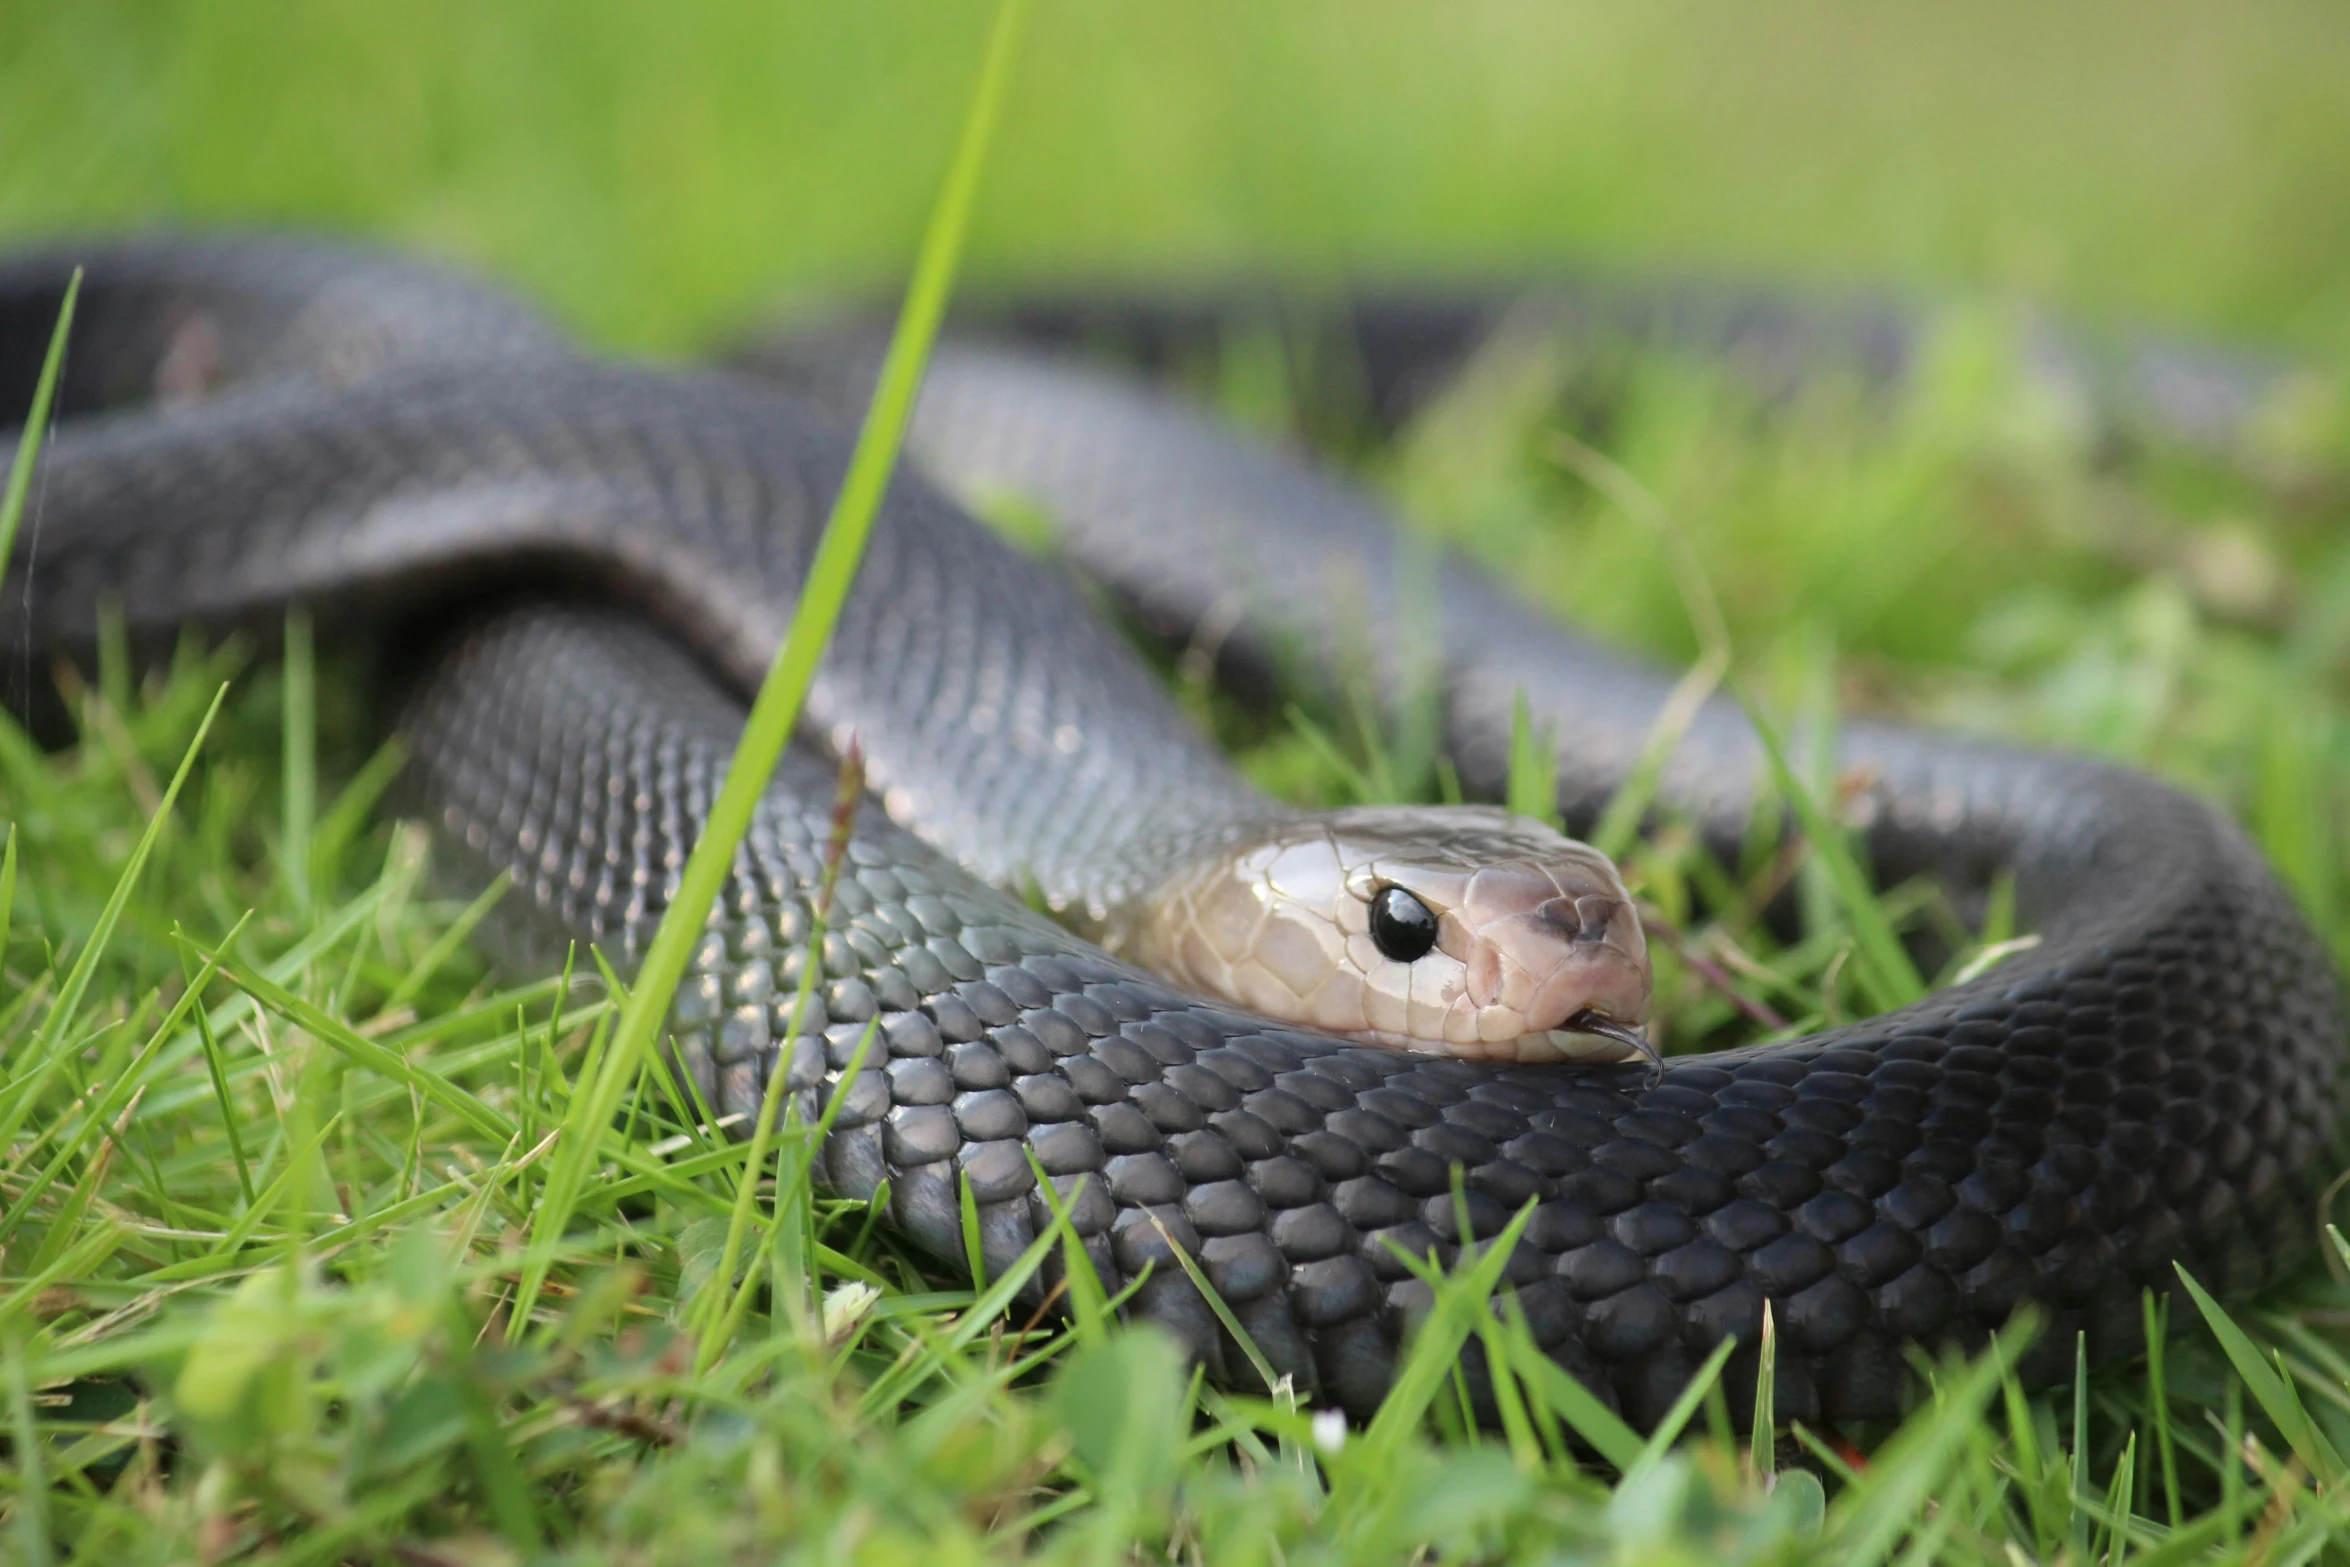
(1585,1038)
(1573,1039)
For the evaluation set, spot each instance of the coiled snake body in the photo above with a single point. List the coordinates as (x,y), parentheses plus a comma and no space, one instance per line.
(2157,1081)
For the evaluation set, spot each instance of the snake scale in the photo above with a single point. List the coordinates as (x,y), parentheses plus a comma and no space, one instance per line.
(586,564)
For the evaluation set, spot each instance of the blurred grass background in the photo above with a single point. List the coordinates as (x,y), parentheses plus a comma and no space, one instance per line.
(655,172)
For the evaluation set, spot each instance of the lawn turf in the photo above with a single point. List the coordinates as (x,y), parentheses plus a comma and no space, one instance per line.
(259,1252)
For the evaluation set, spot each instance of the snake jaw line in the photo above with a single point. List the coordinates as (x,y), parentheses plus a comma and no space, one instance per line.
(1596,1023)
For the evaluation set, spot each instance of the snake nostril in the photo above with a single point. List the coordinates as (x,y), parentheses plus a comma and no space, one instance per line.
(1598,914)
(1561,915)
(1583,921)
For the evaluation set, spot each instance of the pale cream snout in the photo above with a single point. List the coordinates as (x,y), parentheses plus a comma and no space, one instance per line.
(1508,942)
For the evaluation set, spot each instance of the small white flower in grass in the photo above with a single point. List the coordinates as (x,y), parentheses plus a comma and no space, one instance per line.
(1329,1431)
(845,1307)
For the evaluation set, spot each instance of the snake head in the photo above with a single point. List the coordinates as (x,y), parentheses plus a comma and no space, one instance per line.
(1460,930)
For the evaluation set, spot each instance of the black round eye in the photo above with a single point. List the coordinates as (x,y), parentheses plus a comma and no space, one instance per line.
(1401,925)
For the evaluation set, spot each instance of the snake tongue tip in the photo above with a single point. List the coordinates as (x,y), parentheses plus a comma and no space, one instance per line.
(1588,1021)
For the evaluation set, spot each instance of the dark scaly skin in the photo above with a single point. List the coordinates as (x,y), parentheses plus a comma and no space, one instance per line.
(2158,1080)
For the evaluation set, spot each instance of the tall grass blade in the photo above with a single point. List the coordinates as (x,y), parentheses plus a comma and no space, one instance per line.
(121,1090)
(2080,1443)
(792,1186)
(848,790)
(449,943)
(2267,1387)
(1560,1394)
(1088,1300)
(216,1067)
(299,807)
(1533,789)
(1886,971)
(1884,1503)
(776,709)
(32,1483)
(385,1062)
(1217,1304)
(1762,1434)
(496,1471)
(1429,1361)
(1684,1408)
(46,1045)
(2157,1314)
(36,424)
(7,891)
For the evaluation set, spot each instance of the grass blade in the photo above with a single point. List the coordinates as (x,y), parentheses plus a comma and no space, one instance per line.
(2268,1387)
(1533,789)
(36,424)
(300,726)
(1870,1518)
(497,1473)
(1762,1434)
(379,1059)
(1668,1430)
(125,1086)
(47,1054)
(450,943)
(32,1484)
(1568,1399)
(848,790)
(1885,968)
(776,709)
(1428,1364)
(1089,1307)
(7,892)
(2157,1312)
(1217,1304)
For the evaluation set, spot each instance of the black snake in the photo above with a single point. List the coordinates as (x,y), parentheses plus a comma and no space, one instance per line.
(590,561)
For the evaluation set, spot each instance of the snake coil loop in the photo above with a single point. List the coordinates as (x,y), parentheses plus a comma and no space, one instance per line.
(2157,1081)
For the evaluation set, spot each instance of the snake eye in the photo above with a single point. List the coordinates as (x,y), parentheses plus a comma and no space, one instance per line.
(1401,925)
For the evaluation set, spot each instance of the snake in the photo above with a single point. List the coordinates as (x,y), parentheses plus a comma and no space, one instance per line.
(580,568)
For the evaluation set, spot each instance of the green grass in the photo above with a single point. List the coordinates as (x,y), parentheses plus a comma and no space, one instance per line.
(292,1265)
